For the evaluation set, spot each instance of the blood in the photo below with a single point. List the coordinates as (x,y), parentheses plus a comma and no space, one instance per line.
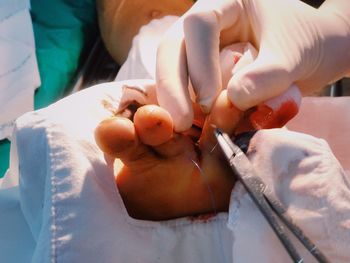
(236,58)
(204,218)
(266,118)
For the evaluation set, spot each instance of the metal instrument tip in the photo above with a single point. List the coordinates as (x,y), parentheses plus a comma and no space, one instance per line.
(217,132)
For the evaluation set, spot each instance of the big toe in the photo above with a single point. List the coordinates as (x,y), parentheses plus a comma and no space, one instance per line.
(116,135)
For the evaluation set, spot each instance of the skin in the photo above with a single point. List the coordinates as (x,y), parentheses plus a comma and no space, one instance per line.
(152,156)
(119,22)
(158,179)
(156,168)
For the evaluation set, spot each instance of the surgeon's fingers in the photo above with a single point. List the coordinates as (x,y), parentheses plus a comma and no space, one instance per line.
(200,50)
(258,82)
(172,78)
(202,28)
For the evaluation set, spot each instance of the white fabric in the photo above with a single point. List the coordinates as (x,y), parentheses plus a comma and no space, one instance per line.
(141,61)
(72,211)
(11,7)
(327,118)
(302,172)
(19,75)
(16,241)
(75,214)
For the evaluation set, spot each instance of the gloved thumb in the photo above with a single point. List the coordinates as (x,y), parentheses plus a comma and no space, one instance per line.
(258,82)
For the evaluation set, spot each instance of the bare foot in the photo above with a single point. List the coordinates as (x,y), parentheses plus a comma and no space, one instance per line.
(164,175)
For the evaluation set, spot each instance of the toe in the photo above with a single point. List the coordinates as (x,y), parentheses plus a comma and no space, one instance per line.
(117,137)
(153,124)
(224,115)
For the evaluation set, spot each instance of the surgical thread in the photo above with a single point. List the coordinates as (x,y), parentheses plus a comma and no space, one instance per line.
(217,234)
(210,191)
(213,149)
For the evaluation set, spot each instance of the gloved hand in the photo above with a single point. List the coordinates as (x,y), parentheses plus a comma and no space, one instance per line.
(296,44)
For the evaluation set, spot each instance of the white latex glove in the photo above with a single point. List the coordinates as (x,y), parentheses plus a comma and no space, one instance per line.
(296,43)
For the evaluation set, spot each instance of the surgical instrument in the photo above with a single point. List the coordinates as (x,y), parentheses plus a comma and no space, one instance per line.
(269,205)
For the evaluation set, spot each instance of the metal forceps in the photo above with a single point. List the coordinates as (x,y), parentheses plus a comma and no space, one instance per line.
(269,206)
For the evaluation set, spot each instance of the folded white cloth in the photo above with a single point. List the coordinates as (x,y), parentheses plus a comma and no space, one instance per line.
(305,176)
(327,118)
(16,241)
(19,75)
(71,203)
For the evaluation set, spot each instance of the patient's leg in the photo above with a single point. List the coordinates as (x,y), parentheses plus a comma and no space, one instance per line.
(158,175)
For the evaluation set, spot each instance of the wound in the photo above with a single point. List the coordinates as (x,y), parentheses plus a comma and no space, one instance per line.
(204,218)
(267,118)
